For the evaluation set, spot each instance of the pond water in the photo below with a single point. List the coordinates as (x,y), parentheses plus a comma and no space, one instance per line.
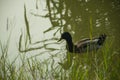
(32,28)
(13,25)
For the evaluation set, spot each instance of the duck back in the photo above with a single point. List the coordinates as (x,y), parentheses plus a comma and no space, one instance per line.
(90,45)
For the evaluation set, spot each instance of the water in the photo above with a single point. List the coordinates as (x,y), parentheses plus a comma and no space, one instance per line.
(84,18)
(12,26)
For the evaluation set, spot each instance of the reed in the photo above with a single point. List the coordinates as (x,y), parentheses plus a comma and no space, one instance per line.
(102,65)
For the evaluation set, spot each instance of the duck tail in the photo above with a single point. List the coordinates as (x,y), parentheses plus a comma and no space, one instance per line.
(101,38)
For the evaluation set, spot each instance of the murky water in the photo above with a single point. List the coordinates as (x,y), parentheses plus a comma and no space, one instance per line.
(80,18)
(13,25)
(105,18)
(29,33)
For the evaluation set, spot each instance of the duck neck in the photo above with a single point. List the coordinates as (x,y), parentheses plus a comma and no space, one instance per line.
(70,45)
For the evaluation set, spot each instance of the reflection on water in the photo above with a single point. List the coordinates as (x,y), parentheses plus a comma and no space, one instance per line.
(34,27)
(25,31)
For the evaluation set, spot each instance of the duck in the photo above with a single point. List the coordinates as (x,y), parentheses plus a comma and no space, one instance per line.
(84,45)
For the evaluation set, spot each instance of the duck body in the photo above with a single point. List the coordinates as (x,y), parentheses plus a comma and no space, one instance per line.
(85,45)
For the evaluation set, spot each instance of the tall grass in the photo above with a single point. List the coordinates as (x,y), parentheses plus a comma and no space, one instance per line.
(103,65)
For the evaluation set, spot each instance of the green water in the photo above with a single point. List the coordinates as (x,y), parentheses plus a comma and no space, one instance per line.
(82,19)
(105,17)
(88,19)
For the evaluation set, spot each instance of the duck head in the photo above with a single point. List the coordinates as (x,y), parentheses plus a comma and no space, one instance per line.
(66,36)
(102,38)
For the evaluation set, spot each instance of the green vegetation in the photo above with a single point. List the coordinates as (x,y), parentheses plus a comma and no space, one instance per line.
(101,65)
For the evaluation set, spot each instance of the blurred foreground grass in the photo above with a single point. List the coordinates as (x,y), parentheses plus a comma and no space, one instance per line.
(103,65)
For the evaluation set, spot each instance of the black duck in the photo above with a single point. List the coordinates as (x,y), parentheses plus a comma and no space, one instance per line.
(83,45)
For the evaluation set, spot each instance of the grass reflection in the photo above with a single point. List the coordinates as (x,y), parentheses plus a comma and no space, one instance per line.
(101,65)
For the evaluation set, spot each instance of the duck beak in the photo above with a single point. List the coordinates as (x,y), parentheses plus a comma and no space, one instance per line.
(59,40)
